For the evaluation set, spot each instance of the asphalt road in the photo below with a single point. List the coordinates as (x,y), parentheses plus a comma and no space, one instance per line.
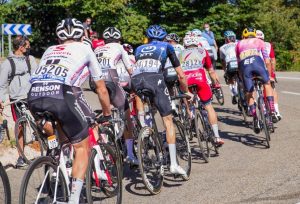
(244,172)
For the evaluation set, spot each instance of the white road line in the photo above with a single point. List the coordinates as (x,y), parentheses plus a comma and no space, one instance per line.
(293,93)
(293,78)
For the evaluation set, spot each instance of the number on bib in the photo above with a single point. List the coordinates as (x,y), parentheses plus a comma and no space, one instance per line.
(52,142)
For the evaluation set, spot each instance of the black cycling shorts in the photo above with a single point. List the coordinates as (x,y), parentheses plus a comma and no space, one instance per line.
(61,101)
(117,96)
(156,84)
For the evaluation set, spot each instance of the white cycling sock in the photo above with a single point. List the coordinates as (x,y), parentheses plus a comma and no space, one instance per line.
(75,191)
(172,151)
(216,130)
(231,89)
(276,108)
(235,90)
(141,117)
(129,147)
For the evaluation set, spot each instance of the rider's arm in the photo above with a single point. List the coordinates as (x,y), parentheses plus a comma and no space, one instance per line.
(126,61)
(209,67)
(101,89)
(222,57)
(4,74)
(266,58)
(273,59)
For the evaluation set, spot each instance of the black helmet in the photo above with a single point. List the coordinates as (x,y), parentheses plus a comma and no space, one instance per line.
(69,28)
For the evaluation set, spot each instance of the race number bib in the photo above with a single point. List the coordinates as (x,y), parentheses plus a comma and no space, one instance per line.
(147,65)
(171,72)
(51,71)
(192,64)
(52,142)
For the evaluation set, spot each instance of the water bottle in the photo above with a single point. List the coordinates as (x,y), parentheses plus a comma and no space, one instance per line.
(67,157)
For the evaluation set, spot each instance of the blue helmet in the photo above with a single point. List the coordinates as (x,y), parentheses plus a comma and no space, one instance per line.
(156,32)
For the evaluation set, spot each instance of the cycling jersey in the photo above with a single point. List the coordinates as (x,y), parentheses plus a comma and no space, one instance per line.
(251,54)
(204,43)
(271,53)
(66,64)
(193,61)
(152,57)
(227,54)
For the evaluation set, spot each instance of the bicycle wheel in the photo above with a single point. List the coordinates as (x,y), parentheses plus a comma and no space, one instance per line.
(151,160)
(200,133)
(269,118)
(5,193)
(33,145)
(241,103)
(41,182)
(218,92)
(105,187)
(183,150)
(262,109)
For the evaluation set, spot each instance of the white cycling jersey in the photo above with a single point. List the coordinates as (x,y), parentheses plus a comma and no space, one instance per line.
(227,52)
(122,71)
(69,63)
(110,55)
(178,49)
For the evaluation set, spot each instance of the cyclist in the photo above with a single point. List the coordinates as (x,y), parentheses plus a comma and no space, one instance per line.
(270,50)
(253,60)
(193,60)
(15,72)
(148,74)
(229,62)
(55,87)
(108,57)
(203,42)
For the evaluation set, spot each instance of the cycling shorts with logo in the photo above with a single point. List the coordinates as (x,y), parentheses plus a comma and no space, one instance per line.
(62,102)
(250,67)
(198,77)
(155,83)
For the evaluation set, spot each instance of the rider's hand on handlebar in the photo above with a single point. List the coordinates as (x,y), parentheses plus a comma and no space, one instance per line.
(191,96)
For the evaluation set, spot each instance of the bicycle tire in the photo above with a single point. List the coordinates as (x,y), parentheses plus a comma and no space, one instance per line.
(91,183)
(6,186)
(240,103)
(35,148)
(218,92)
(152,141)
(269,118)
(200,135)
(263,119)
(183,149)
(35,165)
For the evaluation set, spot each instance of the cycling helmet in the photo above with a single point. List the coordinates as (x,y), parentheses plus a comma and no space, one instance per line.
(87,41)
(173,36)
(190,40)
(156,32)
(128,48)
(69,28)
(260,34)
(197,32)
(247,32)
(112,33)
(230,35)
(188,33)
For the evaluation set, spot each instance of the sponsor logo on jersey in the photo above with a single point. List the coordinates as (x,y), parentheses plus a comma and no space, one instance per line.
(249,53)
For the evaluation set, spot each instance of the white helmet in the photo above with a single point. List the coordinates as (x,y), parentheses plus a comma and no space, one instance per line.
(260,34)
(69,28)
(189,40)
(197,32)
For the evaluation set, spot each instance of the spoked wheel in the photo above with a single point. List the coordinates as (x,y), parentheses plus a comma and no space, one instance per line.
(4,187)
(200,133)
(184,158)
(262,117)
(32,143)
(218,92)
(151,160)
(241,104)
(104,178)
(41,181)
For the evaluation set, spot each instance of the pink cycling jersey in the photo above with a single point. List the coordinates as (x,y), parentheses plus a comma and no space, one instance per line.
(251,47)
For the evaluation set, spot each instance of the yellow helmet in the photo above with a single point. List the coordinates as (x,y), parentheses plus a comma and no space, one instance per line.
(247,32)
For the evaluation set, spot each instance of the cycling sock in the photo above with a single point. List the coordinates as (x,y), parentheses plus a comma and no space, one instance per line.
(141,115)
(76,187)
(235,90)
(215,130)
(129,147)
(172,151)
(271,103)
(276,108)
(231,89)
(253,110)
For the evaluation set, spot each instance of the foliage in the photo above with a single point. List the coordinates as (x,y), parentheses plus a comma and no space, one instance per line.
(279,19)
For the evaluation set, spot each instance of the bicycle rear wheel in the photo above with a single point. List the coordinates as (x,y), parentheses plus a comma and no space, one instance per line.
(262,110)
(5,193)
(105,187)
(32,143)
(200,131)
(241,103)
(39,183)
(218,92)
(151,160)
(183,150)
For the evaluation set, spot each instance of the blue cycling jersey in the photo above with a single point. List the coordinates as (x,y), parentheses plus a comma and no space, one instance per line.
(152,57)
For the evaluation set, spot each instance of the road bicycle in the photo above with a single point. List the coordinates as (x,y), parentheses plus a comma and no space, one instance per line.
(153,152)
(218,93)
(5,191)
(4,131)
(47,178)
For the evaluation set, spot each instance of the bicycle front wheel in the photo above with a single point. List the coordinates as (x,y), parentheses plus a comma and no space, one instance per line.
(183,150)
(26,132)
(43,182)
(5,193)
(262,110)
(151,160)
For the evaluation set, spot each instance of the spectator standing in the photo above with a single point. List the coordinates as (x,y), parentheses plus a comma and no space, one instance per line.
(209,35)
(87,27)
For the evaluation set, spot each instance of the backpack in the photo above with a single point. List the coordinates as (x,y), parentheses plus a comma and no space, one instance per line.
(13,69)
